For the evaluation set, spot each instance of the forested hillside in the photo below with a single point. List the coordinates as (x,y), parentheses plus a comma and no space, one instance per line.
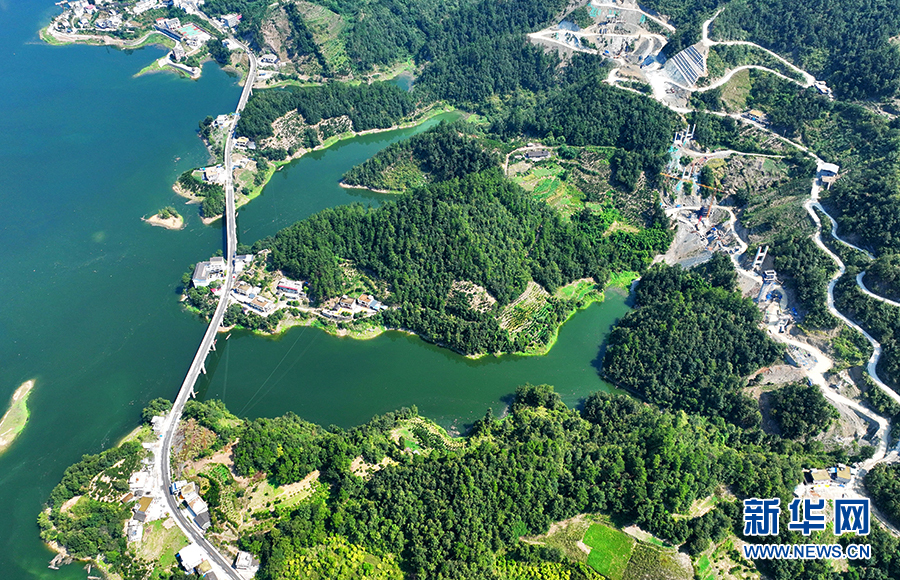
(688,345)
(374,106)
(480,51)
(481,228)
(438,154)
(370,32)
(582,110)
(883,482)
(866,197)
(846,42)
(451,513)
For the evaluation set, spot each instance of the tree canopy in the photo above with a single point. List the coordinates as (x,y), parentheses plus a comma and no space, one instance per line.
(688,345)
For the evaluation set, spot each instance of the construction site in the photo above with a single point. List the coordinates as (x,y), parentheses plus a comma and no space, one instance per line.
(633,38)
(704,228)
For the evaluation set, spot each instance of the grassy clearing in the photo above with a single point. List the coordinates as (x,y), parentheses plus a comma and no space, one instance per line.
(704,568)
(736,91)
(418,434)
(15,419)
(566,536)
(610,550)
(621,279)
(151,68)
(264,495)
(547,183)
(660,564)
(578,290)
(160,545)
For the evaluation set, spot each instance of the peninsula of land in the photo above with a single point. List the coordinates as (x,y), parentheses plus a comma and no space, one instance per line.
(16,417)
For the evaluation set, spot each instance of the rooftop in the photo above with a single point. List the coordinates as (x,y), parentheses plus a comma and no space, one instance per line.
(191,556)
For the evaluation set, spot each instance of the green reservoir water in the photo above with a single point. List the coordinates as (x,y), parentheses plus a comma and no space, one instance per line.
(90,307)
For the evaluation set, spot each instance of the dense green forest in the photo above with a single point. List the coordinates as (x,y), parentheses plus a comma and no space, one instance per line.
(375,106)
(883,276)
(439,154)
(481,50)
(801,410)
(806,270)
(687,16)
(481,228)
(883,483)
(688,345)
(446,514)
(582,110)
(846,42)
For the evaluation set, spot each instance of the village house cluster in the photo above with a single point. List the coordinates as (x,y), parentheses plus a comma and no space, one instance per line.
(275,292)
(141,485)
(345,307)
(109,16)
(187,493)
(193,560)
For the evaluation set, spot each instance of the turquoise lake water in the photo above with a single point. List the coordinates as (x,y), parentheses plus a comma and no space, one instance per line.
(90,305)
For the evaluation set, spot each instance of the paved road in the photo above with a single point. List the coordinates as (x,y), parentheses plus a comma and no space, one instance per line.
(859,281)
(187,387)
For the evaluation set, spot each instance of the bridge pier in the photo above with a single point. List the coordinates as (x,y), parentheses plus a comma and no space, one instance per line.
(203,368)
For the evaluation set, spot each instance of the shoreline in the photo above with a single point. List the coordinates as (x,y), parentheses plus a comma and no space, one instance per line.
(16,417)
(619,281)
(275,166)
(345,185)
(55,38)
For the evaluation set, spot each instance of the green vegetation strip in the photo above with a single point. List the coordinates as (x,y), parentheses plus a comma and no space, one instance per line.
(610,550)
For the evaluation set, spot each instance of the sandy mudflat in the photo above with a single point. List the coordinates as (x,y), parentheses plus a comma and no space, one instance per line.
(172,223)
(16,416)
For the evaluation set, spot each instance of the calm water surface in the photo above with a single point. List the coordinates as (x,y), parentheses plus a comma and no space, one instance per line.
(90,305)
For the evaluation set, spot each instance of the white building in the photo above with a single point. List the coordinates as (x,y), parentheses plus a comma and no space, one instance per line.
(261,305)
(290,288)
(137,482)
(191,556)
(217,264)
(144,5)
(134,531)
(830,168)
(215,174)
